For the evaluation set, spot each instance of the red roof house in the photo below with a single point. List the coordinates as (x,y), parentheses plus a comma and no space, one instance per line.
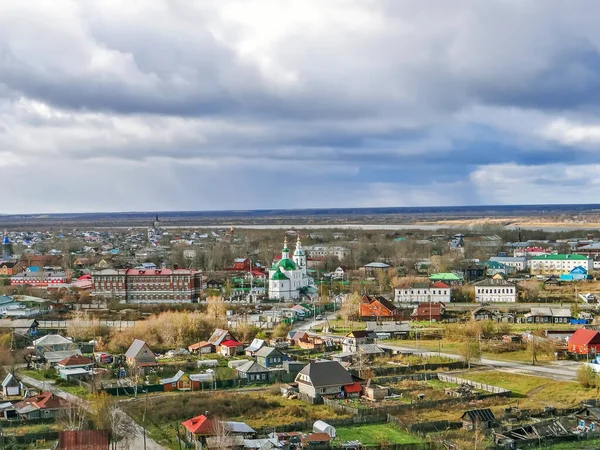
(231,347)
(198,426)
(584,342)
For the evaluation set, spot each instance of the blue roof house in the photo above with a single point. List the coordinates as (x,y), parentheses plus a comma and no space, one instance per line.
(577,274)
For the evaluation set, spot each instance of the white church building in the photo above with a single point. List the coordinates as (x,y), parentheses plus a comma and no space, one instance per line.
(287,277)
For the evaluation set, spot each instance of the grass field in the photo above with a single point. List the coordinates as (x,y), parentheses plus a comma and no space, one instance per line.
(539,391)
(374,434)
(592,444)
(36,375)
(257,409)
(449,346)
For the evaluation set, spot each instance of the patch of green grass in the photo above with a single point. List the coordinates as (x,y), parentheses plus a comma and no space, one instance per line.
(33,428)
(34,374)
(74,389)
(592,444)
(375,434)
(536,389)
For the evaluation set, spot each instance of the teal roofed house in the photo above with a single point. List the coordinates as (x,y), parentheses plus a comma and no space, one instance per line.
(577,274)
(447,277)
(495,267)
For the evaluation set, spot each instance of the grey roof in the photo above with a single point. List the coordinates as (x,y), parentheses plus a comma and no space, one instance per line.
(76,371)
(493,282)
(251,367)
(370,349)
(26,409)
(554,312)
(218,336)
(326,373)
(135,347)
(10,381)
(51,339)
(388,327)
(237,427)
(255,345)
(268,351)
(18,323)
(504,259)
(202,377)
(262,444)
(174,379)
(377,265)
(4,299)
(6,406)
(54,357)
(484,415)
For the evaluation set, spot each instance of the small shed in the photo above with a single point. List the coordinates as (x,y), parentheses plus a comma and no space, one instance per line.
(478,419)
(11,386)
(322,427)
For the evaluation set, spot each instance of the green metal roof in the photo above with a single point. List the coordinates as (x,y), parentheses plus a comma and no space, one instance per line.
(279,276)
(444,276)
(286,264)
(560,257)
(495,265)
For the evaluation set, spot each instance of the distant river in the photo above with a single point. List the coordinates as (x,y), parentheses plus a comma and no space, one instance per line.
(383,227)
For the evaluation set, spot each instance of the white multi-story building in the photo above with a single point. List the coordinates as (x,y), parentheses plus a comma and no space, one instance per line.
(323,251)
(437,292)
(287,277)
(495,291)
(518,262)
(560,263)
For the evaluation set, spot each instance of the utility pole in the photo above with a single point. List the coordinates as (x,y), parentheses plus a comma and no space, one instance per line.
(144,418)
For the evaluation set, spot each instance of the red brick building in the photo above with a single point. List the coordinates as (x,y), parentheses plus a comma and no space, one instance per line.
(148,285)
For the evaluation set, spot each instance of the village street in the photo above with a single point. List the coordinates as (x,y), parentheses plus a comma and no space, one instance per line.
(136,442)
(559,370)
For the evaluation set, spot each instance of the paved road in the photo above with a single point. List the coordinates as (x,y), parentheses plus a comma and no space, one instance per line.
(560,370)
(137,440)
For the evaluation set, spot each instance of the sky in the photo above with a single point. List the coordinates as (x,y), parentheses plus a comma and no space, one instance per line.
(160,105)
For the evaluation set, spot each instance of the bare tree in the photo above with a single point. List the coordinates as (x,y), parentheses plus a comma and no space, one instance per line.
(108,416)
(222,436)
(73,417)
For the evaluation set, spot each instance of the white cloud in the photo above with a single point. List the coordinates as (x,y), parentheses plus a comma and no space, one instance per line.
(571,133)
(373,103)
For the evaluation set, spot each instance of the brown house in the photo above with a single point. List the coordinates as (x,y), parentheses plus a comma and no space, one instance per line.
(428,312)
(7,268)
(140,355)
(83,440)
(184,382)
(378,308)
(478,419)
(305,340)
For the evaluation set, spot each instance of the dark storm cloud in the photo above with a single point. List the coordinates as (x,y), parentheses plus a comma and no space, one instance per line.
(377,102)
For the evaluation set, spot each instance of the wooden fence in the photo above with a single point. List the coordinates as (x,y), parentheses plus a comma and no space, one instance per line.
(481,386)
(399,370)
(494,391)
